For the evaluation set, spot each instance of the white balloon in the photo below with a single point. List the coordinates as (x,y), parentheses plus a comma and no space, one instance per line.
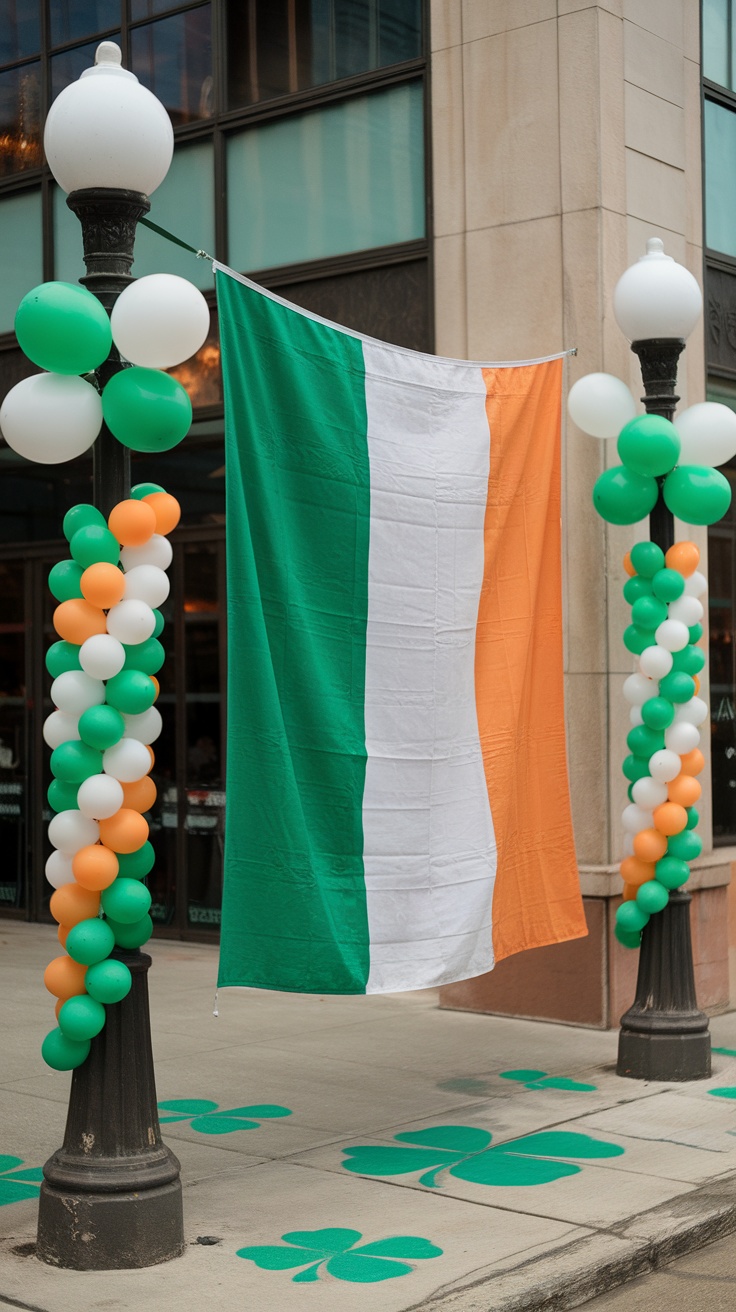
(156,551)
(682,737)
(59,870)
(686,609)
(656,662)
(58,728)
(50,418)
(132,621)
(707,434)
(70,830)
(634,818)
(696,585)
(664,766)
(672,634)
(146,727)
(160,321)
(102,656)
(100,796)
(635,716)
(638,689)
(147,583)
(127,761)
(693,712)
(74,692)
(648,793)
(600,404)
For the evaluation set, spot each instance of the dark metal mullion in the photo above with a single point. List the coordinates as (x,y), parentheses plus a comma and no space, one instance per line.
(66,46)
(180,742)
(186,7)
(314,97)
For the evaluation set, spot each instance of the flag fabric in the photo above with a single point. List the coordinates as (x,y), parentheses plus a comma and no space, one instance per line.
(397,800)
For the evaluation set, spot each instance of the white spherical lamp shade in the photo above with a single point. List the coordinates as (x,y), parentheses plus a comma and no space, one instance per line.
(106,130)
(656,297)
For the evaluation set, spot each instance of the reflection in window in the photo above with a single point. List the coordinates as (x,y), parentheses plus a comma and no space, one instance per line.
(20,240)
(717,51)
(202,374)
(20,119)
(173,58)
(20,30)
(73,20)
(70,64)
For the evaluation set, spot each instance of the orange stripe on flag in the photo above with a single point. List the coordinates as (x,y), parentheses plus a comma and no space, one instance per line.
(518,665)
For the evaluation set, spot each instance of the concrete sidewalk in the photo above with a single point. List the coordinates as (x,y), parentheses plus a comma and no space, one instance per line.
(556,1182)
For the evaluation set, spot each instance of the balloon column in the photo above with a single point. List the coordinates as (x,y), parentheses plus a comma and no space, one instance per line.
(665,592)
(109,590)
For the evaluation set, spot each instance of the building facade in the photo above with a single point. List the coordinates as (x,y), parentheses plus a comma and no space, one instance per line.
(465,176)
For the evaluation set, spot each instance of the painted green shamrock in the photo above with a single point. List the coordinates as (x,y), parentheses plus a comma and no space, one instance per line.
(16,1185)
(464,1151)
(727,1092)
(201,1113)
(364,1265)
(726,1052)
(541,1080)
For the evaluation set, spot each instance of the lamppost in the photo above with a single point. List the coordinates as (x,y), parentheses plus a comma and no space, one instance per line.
(111,1196)
(664,1036)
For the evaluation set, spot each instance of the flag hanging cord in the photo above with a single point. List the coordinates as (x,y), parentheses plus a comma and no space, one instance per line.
(201,255)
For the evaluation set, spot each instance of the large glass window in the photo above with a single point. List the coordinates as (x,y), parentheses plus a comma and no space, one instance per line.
(720,178)
(184,204)
(173,58)
(20,119)
(22,245)
(717,56)
(74,20)
(20,31)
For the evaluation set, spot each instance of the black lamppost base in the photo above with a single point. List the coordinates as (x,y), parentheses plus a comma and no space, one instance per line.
(110,1232)
(672,1058)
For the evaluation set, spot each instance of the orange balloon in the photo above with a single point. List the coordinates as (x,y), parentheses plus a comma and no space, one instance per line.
(628,565)
(139,796)
(166,509)
(64,977)
(132,522)
(72,903)
(634,871)
(684,557)
(153,759)
(103,585)
(76,620)
(630,892)
(59,1006)
(693,762)
(95,867)
(696,681)
(670,818)
(125,831)
(649,845)
(155,683)
(62,935)
(685,790)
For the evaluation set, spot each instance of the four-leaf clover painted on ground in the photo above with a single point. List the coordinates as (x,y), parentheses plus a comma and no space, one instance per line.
(207,1117)
(16,1185)
(541,1080)
(464,1151)
(334,1251)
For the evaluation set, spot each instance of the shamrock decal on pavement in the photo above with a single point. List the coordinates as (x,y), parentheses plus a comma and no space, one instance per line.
(206,1117)
(727,1092)
(541,1080)
(464,1151)
(16,1185)
(726,1052)
(334,1250)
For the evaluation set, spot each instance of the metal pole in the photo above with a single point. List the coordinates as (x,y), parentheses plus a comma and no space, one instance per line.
(664,1035)
(111,1196)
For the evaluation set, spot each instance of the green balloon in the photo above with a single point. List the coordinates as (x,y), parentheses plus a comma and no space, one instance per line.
(126,900)
(690,660)
(146,409)
(101,727)
(647,558)
(64,580)
(657,713)
(621,496)
(159,624)
(636,639)
(142,490)
(697,494)
(693,817)
(74,761)
(696,633)
(652,896)
(63,1054)
(631,918)
(63,328)
(90,941)
(627,939)
(636,767)
(636,587)
(147,656)
(649,445)
(82,516)
(677,686)
(672,872)
(62,797)
(136,865)
(668,585)
(130,691)
(648,613)
(92,544)
(132,936)
(643,741)
(108,981)
(62,656)
(685,846)
(81,1018)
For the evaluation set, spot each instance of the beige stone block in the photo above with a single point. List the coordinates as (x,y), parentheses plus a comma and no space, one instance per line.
(691,31)
(586,712)
(448,141)
(584,301)
(655,191)
(489,17)
(450,297)
(653,126)
(663,17)
(611,79)
(638,232)
(614,7)
(654,64)
(445,23)
(693,155)
(579,110)
(514,284)
(511,126)
(617,358)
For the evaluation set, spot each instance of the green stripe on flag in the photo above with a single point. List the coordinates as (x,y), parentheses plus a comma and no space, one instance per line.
(298,503)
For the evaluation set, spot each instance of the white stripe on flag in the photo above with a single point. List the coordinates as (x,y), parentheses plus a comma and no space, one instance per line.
(429,846)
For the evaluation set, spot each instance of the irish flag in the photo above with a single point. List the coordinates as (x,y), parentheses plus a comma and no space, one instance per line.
(397,800)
